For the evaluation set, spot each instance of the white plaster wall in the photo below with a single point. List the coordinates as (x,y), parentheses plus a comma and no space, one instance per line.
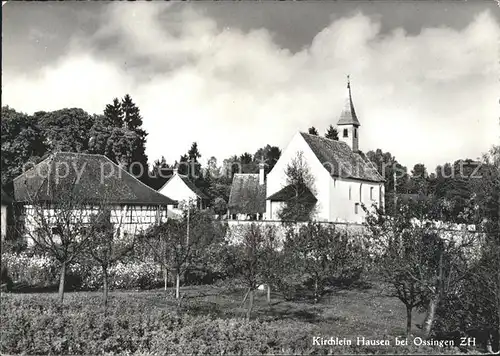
(176,189)
(276,179)
(352,141)
(342,208)
(273,209)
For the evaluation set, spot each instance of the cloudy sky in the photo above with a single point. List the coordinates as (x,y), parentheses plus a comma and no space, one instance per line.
(237,76)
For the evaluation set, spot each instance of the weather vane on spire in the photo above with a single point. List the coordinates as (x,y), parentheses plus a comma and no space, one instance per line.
(348,81)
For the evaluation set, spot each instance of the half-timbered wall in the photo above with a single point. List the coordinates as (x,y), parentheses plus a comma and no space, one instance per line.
(131,219)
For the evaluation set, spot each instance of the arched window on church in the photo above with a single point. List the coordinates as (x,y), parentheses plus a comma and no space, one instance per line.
(350,193)
(355,133)
(345,133)
(361,192)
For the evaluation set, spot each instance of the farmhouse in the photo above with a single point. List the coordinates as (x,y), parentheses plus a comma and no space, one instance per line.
(180,188)
(342,178)
(84,183)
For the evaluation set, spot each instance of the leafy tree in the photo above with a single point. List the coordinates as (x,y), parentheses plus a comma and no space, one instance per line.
(270,155)
(251,259)
(120,146)
(388,167)
(425,258)
(67,130)
(178,243)
(23,141)
(418,183)
(312,131)
(486,274)
(332,133)
(301,181)
(246,158)
(99,135)
(160,172)
(320,252)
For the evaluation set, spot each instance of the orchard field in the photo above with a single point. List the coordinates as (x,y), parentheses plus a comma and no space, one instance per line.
(207,320)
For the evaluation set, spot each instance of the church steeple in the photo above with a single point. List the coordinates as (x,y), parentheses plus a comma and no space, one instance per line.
(348,124)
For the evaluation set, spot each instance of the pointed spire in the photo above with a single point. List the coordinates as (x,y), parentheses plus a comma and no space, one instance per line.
(348,115)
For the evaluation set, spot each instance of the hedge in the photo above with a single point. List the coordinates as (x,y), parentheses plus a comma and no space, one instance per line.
(36,324)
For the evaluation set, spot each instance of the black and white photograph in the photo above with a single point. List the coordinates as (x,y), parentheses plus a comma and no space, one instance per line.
(250,177)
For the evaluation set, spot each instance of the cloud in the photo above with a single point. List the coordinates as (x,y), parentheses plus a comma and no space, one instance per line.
(426,98)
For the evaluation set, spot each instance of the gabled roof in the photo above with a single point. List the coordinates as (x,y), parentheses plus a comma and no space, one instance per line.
(288,193)
(247,195)
(190,185)
(348,115)
(193,187)
(338,158)
(6,199)
(90,177)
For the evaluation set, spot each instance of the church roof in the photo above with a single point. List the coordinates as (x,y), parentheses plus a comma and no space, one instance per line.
(93,178)
(338,158)
(247,196)
(348,114)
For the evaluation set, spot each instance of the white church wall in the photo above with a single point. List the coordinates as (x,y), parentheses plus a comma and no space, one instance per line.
(343,205)
(276,179)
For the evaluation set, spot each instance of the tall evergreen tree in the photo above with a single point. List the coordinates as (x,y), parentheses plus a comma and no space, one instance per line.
(113,114)
(133,121)
(131,115)
(332,133)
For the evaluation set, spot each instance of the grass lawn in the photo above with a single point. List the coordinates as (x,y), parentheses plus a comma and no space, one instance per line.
(348,313)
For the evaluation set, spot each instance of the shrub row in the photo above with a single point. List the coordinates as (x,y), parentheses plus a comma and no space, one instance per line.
(41,271)
(36,324)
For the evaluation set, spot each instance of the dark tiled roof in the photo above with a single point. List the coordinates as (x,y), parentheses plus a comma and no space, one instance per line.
(288,193)
(190,184)
(6,199)
(247,195)
(338,158)
(91,177)
(348,115)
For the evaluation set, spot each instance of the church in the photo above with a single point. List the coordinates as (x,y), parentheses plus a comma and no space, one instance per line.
(342,178)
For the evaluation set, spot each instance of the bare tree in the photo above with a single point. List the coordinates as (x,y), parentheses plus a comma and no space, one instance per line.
(106,246)
(57,221)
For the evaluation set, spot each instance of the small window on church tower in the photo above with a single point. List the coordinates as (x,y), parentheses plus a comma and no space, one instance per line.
(355,133)
(345,133)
